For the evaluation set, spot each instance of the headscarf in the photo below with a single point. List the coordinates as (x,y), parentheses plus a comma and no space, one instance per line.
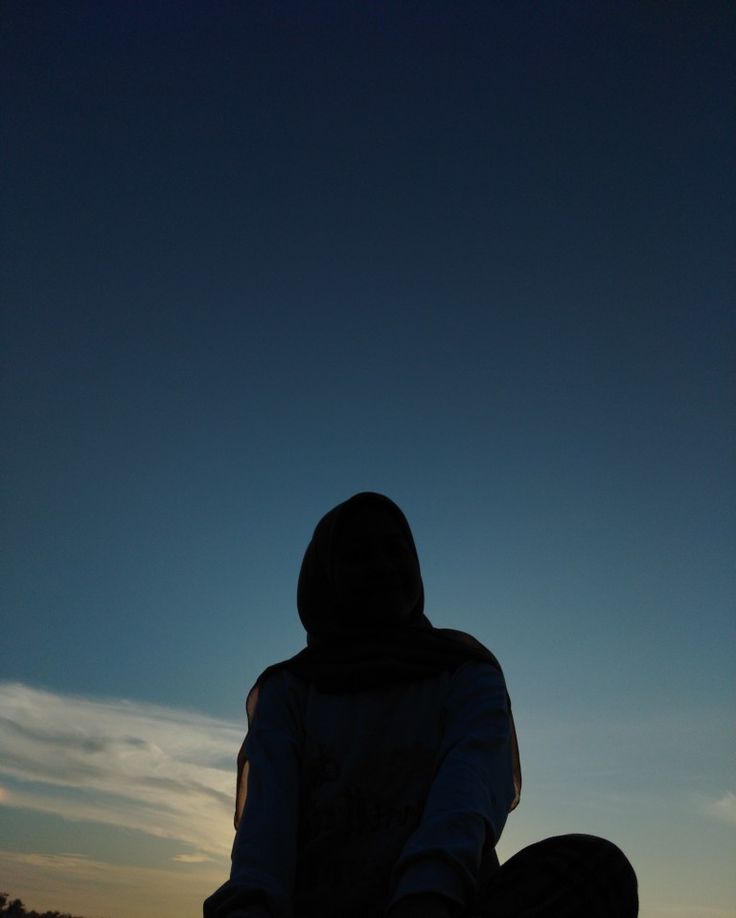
(345,654)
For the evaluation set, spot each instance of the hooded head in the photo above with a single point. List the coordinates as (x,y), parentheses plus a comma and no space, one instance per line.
(360,574)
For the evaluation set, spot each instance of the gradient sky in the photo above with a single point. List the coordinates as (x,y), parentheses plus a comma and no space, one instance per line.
(259,256)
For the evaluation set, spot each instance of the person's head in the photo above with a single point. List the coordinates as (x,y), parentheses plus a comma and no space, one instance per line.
(360,572)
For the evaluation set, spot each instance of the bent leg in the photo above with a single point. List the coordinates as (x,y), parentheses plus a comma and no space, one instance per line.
(568,876)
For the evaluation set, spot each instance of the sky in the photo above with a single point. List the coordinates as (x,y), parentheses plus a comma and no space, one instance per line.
(259,256)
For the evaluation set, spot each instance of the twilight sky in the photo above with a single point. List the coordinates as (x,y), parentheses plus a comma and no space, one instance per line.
(258,256)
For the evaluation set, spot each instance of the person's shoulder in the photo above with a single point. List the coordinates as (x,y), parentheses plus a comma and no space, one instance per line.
(283,683)
(277,689)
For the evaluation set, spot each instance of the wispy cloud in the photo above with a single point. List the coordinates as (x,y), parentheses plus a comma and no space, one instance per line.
(166,772)
(723,809)
(191,858)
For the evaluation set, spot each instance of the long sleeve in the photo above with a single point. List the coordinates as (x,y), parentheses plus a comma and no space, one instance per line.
(470,795)
(264,852)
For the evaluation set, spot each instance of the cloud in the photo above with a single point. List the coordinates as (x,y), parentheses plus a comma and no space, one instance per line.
(191,858)
(723,809)
(166,772)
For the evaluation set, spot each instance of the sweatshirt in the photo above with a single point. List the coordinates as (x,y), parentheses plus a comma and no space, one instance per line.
(357,801)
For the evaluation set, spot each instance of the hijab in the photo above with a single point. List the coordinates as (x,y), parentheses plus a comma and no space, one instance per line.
(353,646)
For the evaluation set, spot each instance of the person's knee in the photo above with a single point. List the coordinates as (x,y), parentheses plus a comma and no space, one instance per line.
(615,872)
(601,867)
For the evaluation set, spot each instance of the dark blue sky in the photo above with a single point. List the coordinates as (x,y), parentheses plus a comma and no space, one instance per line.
(259,256)
(479,256)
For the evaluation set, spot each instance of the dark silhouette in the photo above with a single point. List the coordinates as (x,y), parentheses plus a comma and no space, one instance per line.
(16,909)
(381,762)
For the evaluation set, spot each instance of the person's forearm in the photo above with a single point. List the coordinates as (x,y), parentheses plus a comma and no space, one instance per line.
(470,795)
(233,901)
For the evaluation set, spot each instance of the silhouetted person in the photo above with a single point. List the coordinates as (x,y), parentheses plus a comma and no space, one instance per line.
(381,762)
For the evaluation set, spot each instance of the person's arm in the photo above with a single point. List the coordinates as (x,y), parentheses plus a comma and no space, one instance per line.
(264,852)
(468,802)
